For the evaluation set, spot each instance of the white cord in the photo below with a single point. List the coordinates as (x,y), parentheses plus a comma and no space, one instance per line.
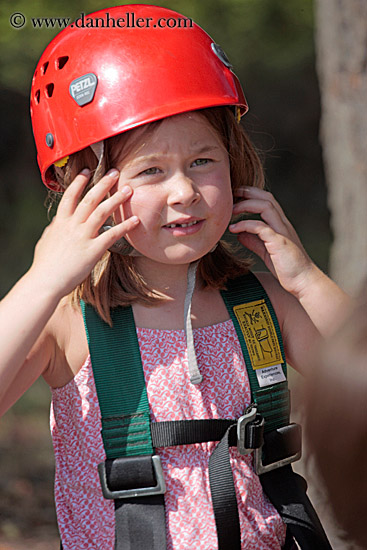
(195,375)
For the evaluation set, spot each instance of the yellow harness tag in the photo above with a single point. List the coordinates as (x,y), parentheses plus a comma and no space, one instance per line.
(259,332)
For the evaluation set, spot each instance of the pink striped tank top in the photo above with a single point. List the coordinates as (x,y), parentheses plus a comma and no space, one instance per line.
(86,519)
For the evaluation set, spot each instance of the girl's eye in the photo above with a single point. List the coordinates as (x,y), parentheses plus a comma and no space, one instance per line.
(200,162)
(150,171)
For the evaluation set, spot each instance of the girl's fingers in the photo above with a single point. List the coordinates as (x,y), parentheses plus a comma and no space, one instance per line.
(267,210)
(95,195)
(249,226)
(256,227)
(248,191)
(108,238)
(273,241)
(255,244)
(106,208)
(71,196)
(253,193)
(263,203)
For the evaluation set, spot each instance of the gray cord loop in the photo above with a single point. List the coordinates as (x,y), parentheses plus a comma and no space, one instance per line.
(98,150)
(195,376)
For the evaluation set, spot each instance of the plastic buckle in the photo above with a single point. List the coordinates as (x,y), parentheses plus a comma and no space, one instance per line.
(158,489)
(242,423)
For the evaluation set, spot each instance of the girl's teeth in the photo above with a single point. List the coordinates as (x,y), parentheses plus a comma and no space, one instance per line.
(173,225)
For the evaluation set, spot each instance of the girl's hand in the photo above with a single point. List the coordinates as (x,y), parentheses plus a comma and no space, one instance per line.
(272,238)
(71,245)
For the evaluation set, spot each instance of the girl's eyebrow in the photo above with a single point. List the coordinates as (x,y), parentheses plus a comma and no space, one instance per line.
(142,159)
(205,149)
(156,158)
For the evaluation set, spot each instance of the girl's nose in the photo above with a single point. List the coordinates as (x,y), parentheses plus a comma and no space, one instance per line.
(183,190)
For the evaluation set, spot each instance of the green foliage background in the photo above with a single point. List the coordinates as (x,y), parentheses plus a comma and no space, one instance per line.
(277,34)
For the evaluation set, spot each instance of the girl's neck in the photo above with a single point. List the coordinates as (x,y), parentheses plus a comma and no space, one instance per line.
(169,280)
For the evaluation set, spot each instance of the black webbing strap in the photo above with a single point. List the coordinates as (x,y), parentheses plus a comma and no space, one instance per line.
(187,432)
(140,524)
(287,492)
(224,495)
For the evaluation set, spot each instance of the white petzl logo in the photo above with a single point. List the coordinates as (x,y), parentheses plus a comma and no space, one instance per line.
(82,89)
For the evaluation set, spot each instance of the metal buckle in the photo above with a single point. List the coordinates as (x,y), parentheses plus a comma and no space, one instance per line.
(261,468)
(242,422)
(158,489)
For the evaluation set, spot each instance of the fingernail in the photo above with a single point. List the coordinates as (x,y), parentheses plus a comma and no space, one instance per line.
(134,219)
(126,190)
(244,189)
(85,172)
(112,173)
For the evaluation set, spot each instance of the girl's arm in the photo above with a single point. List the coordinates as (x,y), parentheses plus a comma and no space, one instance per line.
(24,313)
(275,241)
(66,253)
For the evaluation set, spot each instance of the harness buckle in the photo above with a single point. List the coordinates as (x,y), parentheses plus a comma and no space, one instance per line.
(281,447)
(250,429)
(158,489)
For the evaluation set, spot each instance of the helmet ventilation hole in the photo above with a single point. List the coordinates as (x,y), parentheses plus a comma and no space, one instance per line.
(37,97)
(61,62)
(44,68)
(50,89)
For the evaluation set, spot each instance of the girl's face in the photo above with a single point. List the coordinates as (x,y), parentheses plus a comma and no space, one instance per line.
(182,195)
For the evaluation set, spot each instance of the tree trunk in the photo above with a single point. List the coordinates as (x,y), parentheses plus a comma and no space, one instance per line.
(341,44)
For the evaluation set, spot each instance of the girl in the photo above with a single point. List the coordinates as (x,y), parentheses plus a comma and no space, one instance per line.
(138,126)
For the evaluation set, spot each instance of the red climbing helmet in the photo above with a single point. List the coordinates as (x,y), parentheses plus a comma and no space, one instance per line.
(119,68)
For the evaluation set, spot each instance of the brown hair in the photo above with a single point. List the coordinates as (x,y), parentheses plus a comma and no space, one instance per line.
(115,280)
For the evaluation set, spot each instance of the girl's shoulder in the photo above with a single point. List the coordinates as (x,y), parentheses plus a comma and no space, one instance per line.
(279,298)
(66,330)
(286,306)
(298,332)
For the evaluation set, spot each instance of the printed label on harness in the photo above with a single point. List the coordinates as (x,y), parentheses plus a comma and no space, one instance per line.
(270,376)
(259,332)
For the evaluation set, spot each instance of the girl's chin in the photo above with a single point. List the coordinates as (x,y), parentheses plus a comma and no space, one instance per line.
(180,256)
